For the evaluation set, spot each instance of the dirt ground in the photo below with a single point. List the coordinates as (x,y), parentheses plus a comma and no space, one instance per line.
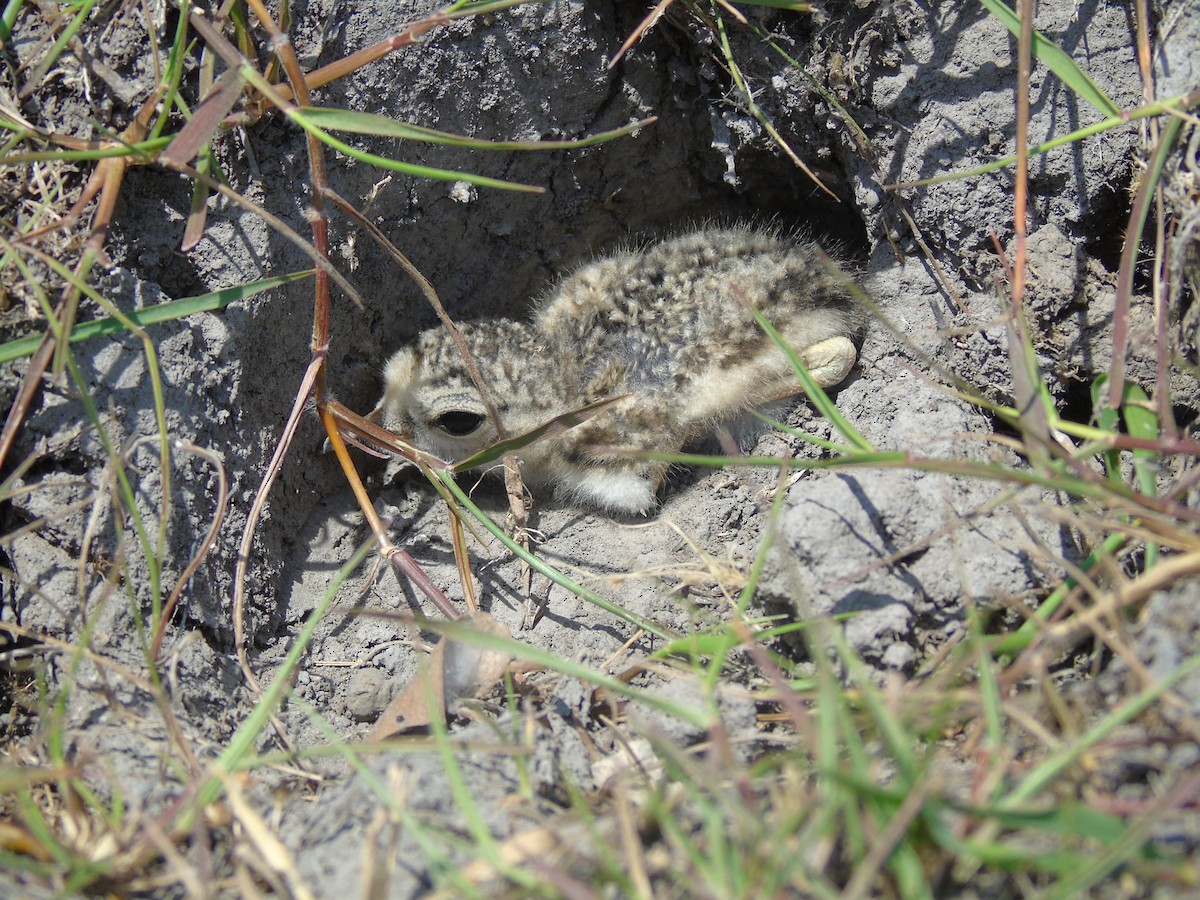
(930,85)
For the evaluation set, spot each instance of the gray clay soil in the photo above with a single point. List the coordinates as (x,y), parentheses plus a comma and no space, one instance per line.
(931,85)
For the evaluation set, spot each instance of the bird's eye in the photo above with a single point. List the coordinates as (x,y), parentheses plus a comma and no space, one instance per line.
(458,422)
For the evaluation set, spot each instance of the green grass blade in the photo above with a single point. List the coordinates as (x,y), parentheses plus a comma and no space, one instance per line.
(1014,643)
(1068,819)
(1056,60)
(897,738)
(12,9)
(815,392)
(549,571)
(990,691)
(464,632)
(881,458)
(144,149)
(1041,776)
(293,112)
(382,126)
(484,843)
(1149,110)
(1141,421)
(242,743)
(815,440)
(1106,417)
(163,312)
(417,171)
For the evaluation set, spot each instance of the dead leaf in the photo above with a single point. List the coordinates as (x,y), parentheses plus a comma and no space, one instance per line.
(455,670)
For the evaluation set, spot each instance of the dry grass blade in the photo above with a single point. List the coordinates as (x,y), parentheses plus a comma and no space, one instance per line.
(30,386)
(411,34)
(397,557)
(462,560)
(82,11)
(550,429)
(1033,408)
(640,30)
(1166,573)
(1138,215)
(105,180)
(1028,390)
(271,850)
(245,551)
(372,432)
(735,73)
(205,120)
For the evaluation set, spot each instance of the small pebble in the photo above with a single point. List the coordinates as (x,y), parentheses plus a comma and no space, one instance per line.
(365,694)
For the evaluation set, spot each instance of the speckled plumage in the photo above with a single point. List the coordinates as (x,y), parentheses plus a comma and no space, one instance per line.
(664,325)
